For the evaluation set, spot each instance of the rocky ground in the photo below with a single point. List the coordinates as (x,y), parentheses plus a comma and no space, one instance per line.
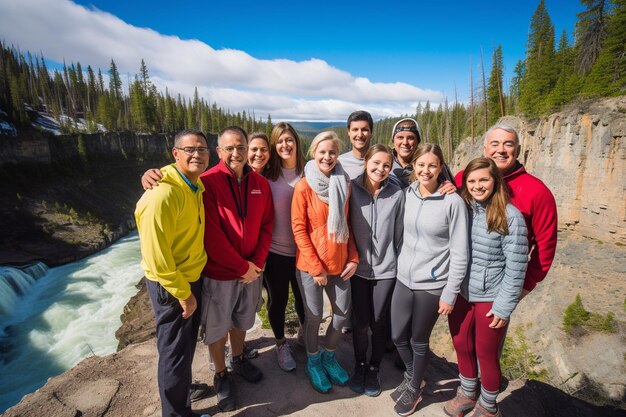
(124,384)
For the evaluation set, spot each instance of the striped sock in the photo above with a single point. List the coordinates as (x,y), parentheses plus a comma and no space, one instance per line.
(488,399)
(468,386)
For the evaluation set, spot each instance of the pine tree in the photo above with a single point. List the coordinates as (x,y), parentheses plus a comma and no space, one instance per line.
(608,74)
(590,33)
(566,83)
(540,75)
(495,105)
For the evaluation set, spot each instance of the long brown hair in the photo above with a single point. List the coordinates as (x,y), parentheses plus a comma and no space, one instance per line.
(273,168)
(497,219)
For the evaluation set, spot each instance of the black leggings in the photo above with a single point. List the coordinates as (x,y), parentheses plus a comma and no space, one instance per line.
(371,300)
(413,316)
(280,271)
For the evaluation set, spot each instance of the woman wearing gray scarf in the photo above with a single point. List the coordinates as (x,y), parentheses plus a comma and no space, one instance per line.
(326,255)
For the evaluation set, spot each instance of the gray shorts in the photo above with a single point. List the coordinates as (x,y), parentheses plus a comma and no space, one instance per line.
(227,304)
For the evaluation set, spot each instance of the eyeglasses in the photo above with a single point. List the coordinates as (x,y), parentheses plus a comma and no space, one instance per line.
(231,149)
(190,150)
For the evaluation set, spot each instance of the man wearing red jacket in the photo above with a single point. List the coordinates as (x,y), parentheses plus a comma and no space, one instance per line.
(239,221)
(530,195)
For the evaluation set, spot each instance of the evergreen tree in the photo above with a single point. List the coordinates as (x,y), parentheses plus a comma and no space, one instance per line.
(540,75)
(566,83)
(608,74)
(495,105)
(590,33)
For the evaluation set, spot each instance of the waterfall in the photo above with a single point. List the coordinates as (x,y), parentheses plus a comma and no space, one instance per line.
(51,318)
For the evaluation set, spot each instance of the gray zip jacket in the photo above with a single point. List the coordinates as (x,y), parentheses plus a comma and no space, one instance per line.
(377,228)
(435,248)
(499,262)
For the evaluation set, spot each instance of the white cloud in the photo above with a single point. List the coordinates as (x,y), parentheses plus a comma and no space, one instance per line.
(288,90)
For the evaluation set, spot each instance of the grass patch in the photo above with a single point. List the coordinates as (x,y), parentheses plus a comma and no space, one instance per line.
(517,361)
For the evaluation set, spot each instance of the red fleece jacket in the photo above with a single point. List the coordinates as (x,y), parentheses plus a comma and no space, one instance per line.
(239,221)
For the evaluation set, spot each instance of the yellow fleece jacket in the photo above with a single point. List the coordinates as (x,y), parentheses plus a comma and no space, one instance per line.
(170,221)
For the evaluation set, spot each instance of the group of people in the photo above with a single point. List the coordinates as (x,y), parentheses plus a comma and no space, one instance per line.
(388,234)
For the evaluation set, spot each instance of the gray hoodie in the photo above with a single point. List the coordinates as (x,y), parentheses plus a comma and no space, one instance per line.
(377,228)
(435,248)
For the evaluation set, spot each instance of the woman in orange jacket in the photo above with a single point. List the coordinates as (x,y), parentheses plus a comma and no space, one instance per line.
(326,255)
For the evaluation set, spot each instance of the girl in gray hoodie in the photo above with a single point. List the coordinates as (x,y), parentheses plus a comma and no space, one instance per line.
(376,210)
(431,267)
(491,289)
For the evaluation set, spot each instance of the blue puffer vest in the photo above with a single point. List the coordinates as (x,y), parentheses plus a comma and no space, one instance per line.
(498,264)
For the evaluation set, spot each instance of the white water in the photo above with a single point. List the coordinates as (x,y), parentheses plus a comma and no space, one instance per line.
(49,323)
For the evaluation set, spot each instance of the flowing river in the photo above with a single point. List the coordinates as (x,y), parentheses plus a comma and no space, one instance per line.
(52,318)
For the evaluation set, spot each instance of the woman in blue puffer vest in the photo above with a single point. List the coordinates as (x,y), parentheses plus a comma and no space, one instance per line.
(490,291)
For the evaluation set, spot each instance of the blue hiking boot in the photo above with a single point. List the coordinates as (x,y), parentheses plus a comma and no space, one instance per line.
(335,372)
(316,374)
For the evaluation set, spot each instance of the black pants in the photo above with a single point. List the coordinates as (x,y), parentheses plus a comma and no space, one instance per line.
(413,316)
(280,271)
(371,300)
(176,343)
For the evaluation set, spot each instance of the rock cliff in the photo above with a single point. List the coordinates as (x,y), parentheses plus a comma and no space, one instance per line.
(65,197)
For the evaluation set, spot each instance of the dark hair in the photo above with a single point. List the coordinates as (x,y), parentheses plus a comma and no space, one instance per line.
(272,170)
(361,115)
(423,149)
(185,132)
(496,204)
(233,129)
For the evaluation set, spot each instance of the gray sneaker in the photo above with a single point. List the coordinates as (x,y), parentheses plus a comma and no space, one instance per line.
(285,358)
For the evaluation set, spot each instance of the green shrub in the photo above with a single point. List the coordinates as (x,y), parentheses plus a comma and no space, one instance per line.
(577,319)
(575,315)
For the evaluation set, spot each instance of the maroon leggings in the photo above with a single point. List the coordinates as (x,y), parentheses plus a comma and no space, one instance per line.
(473,339)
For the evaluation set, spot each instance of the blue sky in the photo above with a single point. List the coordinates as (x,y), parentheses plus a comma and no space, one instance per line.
(295,60)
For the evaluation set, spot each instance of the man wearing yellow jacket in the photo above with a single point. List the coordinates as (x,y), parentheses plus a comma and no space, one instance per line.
(170,221)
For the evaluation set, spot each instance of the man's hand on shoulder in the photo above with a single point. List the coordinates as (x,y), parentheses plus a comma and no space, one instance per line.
(151,178)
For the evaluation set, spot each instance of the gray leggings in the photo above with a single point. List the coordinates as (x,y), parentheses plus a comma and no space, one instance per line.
(413,316)
(338,292)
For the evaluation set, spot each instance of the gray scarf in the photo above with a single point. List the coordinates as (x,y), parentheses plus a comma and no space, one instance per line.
(333,191)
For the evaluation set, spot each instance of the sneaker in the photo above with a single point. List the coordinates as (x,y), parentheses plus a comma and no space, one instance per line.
(408,401)
(459,405)
(405,383)
(371,387)
(225,389)
(250,352)
(242,366)
(480,411)
(357,380)
(317,375)
(285,358)
(198,391)
(335,372)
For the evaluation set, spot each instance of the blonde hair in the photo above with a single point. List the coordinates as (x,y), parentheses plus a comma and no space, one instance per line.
(321,137)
